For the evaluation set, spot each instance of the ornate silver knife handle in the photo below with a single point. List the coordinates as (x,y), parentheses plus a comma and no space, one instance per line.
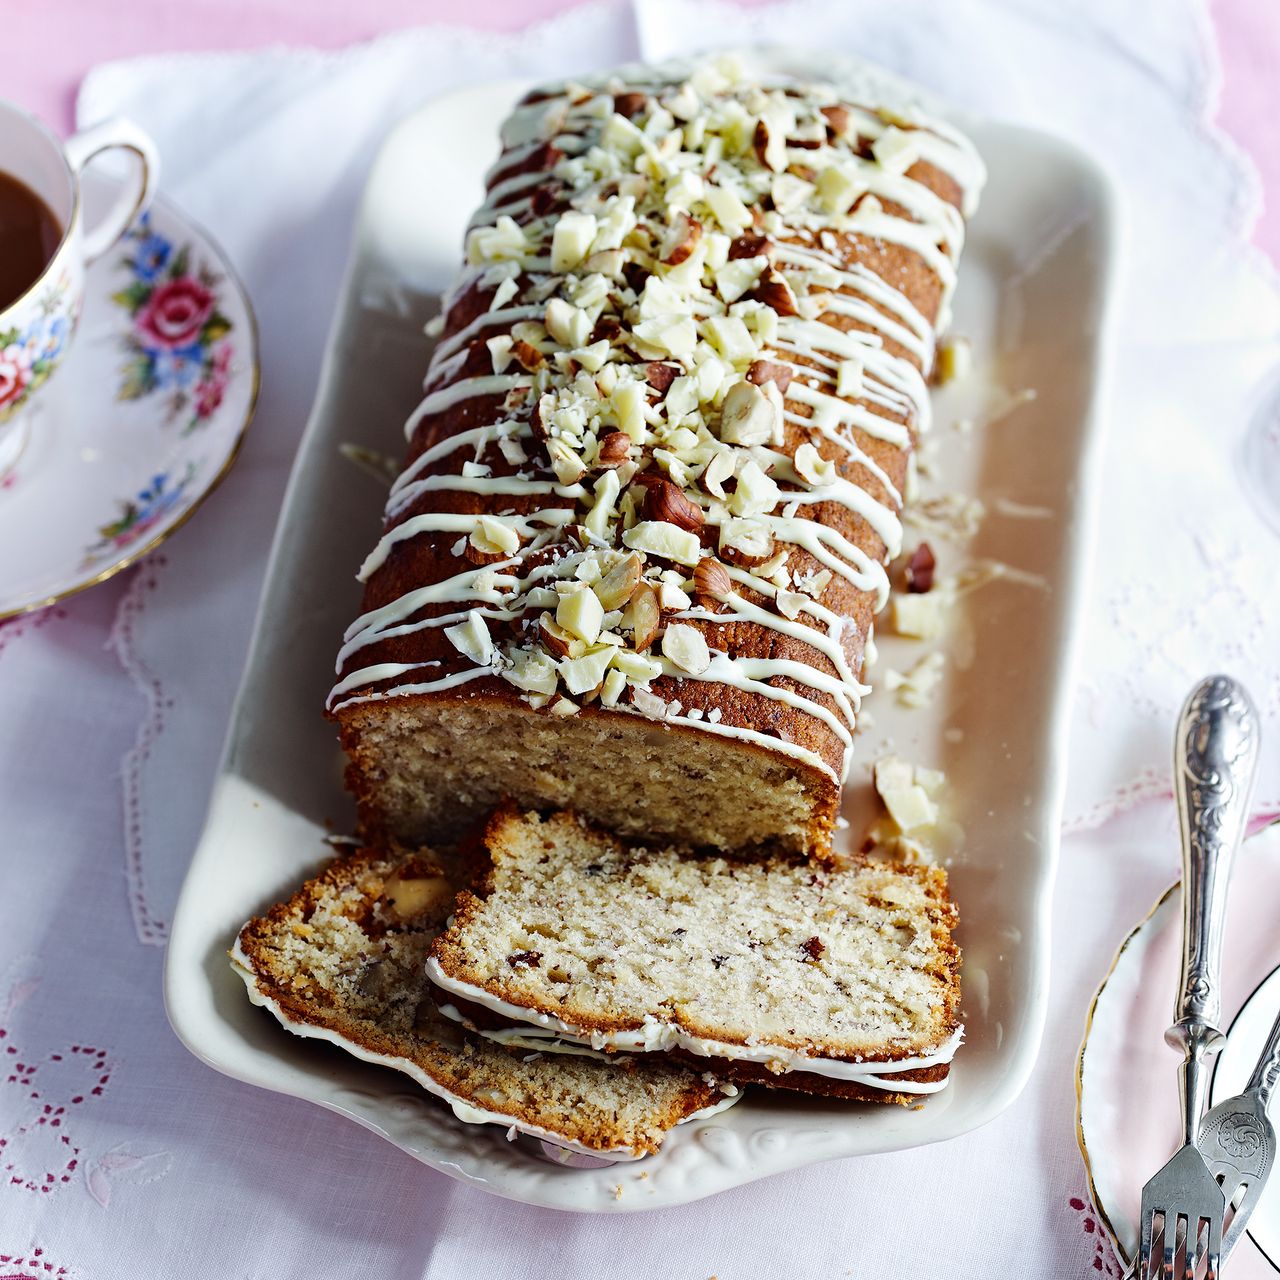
(1267,1071)
(1215,758)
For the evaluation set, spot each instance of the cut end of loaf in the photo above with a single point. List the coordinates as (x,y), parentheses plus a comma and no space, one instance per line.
(423,770)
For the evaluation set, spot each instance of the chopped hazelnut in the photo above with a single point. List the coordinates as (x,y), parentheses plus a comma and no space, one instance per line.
(614,450)
(763,371)
(527,355)
(665,501)
(919,574)
(629,104)
(748,245)
(660,376)
(711,579)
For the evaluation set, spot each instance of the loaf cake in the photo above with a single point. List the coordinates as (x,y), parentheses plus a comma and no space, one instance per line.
(342,960)
(632,561)
(831,981)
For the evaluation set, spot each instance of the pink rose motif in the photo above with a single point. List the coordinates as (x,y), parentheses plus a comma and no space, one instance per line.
(208,398)
(175,313)
(15,373)
(209,392)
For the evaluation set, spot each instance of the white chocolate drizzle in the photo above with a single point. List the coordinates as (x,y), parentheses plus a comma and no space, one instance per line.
(654,1036)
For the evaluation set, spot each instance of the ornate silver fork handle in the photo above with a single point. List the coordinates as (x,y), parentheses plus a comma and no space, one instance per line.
(1215,763)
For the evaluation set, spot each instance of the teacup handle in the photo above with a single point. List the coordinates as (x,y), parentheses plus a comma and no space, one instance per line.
(80,148)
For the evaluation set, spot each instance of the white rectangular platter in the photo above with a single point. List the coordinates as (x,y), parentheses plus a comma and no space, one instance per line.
(1032,301)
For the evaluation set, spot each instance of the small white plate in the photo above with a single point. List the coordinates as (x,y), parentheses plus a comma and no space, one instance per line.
(142,419)
(1127,1122)
(1032,299)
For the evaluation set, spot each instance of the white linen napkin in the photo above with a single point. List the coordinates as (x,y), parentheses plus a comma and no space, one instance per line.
(177,1170)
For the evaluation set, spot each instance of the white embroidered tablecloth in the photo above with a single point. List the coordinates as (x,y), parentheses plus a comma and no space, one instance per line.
(122,1155)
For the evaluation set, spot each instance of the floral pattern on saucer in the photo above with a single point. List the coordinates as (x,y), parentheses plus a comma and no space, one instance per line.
(178,344)
(121,450)
(140,514)
(28,356)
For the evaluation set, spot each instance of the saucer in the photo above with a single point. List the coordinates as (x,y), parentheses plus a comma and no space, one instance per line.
(1126,1083)
(142,419)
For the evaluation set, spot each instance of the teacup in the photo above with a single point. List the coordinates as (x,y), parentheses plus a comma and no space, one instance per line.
(37,326)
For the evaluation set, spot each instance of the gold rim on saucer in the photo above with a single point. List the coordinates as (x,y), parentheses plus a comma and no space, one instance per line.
(1094,1199)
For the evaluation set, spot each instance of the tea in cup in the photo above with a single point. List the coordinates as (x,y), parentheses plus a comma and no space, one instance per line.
(45,248)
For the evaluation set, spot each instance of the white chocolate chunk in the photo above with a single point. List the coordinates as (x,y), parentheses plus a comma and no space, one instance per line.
(572,239)
(790,193)
(838,187)
(592,358)
(494,537)
(582,615)
(614,683)
(602,510)
(896,149)
(911,809)
(751,537)
(756,493)
(739,276)
(503,242)
(955,360)
(669,541)
(729,211)
(731,337)
(670,335)
(849,379)
(471,638)
(915,688)
(920,616)
(570,326)
(636,667)
(531,670)
(907,801)
(580,675)
(503,294)
(629,404)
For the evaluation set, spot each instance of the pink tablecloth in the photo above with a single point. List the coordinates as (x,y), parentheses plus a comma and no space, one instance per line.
(1248,34)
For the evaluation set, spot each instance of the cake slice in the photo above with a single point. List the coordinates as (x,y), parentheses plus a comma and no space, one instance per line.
(841,981)
(342,960)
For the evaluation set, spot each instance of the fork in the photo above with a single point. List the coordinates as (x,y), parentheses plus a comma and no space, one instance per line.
(1238,1141)
(1215,759)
